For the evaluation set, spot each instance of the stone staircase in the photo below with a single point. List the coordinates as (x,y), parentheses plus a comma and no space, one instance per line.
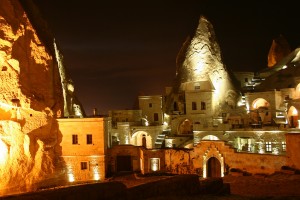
(160,139)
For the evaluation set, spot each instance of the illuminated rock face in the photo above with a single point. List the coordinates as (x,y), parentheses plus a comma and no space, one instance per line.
(31,95)
(279,49)
(199,60)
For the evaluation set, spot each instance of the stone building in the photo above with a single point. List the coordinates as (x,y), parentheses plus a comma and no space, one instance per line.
(215,121)
(208,123)
(83,147)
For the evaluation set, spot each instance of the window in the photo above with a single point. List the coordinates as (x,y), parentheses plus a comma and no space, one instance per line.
(154,164)
(269,146)
(155,117)
(175,106)
(74,139)
(194,106)
(197,87)
(83,165)
(283,146)
(246,80)
(203,105)
(89,139)
(150,105)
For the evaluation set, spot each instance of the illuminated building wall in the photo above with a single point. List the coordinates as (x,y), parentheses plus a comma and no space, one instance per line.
(151,107)
(83,148)
(132,116)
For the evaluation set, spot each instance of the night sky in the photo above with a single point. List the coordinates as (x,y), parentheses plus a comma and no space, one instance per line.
(117,50)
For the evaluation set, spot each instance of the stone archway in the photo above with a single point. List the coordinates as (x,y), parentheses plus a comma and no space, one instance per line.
(293,117)
(260,112)
(213,162)
(213,167)
(141,138)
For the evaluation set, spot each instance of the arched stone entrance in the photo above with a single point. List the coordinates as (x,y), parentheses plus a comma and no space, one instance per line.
(260,113)
(293,117)
(141,138)
(213,162)
(213,167)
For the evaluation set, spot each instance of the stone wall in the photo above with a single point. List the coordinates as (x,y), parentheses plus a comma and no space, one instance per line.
(292,149)
(123,150)
(194,161)
(83,159)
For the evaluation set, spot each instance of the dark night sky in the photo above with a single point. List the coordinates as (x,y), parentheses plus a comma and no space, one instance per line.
(116,50)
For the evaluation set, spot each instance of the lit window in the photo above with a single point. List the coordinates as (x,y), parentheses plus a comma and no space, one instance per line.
(89,139)
(84,165)
(203,105)
(269,146)
(155,164)
(74,139)
(283,146)
(194,106)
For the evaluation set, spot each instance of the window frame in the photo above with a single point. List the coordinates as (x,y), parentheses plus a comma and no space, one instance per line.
(268,146)
(89,139)
(194,105)
(203,105)
(75,139)
(84,165)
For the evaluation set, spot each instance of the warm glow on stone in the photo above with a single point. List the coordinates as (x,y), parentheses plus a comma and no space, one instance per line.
(3,153)
(295,112)
(71,177)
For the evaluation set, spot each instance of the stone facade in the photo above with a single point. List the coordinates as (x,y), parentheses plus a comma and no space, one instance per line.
(211,128)
(203,125)
(83,148)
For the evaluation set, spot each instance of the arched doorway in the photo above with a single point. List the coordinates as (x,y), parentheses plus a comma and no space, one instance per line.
(260,113)
(293,117)
(141,138)
(213,167)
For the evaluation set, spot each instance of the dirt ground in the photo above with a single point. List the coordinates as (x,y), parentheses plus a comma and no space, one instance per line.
(278,186)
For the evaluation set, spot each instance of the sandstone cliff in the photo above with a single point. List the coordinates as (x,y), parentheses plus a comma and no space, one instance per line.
(34,91)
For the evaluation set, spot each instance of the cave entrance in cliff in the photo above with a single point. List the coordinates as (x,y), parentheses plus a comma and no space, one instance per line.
(213,167)
(124,164)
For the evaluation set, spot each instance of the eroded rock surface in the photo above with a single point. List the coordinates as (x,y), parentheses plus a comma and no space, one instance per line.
(31,98)
(200,60)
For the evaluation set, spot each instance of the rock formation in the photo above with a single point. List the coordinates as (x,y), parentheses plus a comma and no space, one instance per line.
(284,74)
(279,49)
(200,60)
(32,97)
